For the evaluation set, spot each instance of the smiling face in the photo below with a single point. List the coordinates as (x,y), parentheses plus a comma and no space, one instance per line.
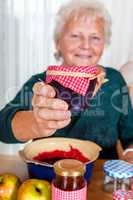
(81,42)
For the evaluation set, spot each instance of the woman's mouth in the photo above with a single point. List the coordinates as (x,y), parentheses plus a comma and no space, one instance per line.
(83,56)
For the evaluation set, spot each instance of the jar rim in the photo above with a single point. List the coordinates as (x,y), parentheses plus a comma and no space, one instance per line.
(69,167)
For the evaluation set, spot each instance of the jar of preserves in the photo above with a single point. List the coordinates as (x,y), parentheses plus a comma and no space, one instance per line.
(77,102)
(69,182)
(123,195)
(73,84)
(118,175)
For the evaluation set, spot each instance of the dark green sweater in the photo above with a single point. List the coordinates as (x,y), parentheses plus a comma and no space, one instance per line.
(108,118)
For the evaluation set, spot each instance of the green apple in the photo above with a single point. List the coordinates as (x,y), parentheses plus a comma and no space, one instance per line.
(9,184)
(34,189)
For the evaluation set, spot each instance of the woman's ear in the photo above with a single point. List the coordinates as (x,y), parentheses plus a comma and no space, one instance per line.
(57,45)
(57,54)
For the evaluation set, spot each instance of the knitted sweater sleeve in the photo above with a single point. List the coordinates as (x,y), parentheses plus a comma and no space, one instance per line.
(22,101)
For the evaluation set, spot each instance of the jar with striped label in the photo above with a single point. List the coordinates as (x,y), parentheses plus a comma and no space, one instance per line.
(69,183)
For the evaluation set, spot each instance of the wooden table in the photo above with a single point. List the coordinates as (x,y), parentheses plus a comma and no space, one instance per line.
(95,189)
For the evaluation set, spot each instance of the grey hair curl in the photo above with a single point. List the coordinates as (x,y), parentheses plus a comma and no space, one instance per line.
(72,8)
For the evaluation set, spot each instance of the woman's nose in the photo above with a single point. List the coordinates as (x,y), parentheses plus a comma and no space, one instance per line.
(85,43)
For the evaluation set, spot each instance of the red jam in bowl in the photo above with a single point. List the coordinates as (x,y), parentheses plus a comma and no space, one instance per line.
(52,156)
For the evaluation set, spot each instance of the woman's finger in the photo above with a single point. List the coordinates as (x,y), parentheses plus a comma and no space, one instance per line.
(51,103)
(43,89)
(45,124)
(48,114)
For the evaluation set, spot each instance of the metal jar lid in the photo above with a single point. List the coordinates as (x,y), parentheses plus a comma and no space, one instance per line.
(118,169)
(69,167)
(123,195)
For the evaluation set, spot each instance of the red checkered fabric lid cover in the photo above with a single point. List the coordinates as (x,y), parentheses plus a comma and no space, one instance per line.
(72,77)
(123,195)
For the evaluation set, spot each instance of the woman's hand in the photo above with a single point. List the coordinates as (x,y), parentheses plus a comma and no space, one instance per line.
(128,155)
(50,113)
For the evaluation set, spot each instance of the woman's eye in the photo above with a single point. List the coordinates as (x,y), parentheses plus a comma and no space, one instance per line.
(74,35)
(96,38)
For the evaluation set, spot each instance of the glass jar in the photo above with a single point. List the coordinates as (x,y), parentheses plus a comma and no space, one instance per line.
(118,175)
(112,184)
(123,195)
(77,103)
(69,182)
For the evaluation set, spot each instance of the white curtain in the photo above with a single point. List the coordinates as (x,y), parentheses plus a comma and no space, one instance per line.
(26,42)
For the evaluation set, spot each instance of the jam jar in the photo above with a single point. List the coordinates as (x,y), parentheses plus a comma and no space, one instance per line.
(123,195)
(69,182)
(118,175)
(77,103)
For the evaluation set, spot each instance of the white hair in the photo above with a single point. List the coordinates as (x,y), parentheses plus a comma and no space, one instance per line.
(72,8)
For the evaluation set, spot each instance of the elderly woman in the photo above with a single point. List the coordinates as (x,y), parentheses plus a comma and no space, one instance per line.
(81,33)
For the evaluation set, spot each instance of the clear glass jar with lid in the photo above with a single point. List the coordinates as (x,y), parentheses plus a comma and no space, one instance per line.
(118,175)
(69,182)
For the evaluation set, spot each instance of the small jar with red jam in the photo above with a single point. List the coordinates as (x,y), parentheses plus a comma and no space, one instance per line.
(69,182)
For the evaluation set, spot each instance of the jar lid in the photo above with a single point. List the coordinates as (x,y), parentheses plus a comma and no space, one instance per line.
(118,169)
(69,167)
(123,195)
